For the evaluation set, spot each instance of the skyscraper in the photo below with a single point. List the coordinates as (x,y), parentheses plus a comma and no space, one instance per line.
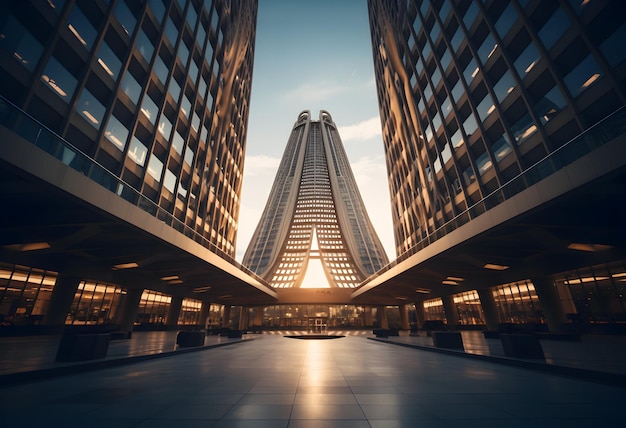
(123,137)
(314,231)
(503,131)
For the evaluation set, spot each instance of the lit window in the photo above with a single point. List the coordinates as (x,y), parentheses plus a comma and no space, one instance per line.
(59,79)
(137,152)
(126,17)
(90,108)
(116,133)
(109,62)
(155,167)
(81,28)
(18,42)
(582,76)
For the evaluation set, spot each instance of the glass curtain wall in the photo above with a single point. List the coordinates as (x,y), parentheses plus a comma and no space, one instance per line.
(153,309)
(468,307)
(300,316)
(94,304)
(433,309)
(190,312)
(24,294)
(518,303)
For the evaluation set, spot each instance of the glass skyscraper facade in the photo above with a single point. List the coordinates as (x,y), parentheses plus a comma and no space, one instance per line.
(473,93)
(483,105)
(148,99)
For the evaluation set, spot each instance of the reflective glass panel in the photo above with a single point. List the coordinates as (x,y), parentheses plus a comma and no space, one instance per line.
(170,181)
(161,70)
(59,79)
(131,87)
(116,133)
(171,32)
(125,17)
(613,47)
(137,152)
(145,46)
(149,109)
(17,41)
(155,167)
(552,30)
(109,62)
(527,60)
(505,86)
(506,20)
(582,76)
(79,25)
(90,108)
(157,8)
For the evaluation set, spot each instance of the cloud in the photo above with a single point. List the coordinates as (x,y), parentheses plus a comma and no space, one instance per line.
(260,165)
(361,131)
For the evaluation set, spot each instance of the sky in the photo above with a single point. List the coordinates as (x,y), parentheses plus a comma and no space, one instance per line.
(314,55)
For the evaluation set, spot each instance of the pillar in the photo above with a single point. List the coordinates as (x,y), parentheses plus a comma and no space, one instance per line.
(61,300)
(404,317)
(226,317)
(449,310)
(258,316)
(550,303)
(173,313)
(128,308)
(419,312)
(381,317)
(488,303)
(369,317)
(204,314)
(243,318)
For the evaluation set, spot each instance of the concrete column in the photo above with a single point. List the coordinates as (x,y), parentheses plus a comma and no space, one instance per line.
(204,314)
(128,308)
(61,300)
(226,317)
(369,317)
(173,313)
(449,310)
(243,318)
(404,317)
(258,316)
(488,303)
(421,314)
(381,317)
(550,303)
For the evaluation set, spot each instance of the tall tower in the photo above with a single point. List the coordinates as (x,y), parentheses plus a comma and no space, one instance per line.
(156,92)
(473,93)
(314,231)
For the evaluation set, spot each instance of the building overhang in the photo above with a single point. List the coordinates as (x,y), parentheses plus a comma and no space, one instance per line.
(55,218)
(572,219)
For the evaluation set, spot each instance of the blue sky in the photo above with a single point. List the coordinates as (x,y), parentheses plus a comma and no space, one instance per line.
(313,55)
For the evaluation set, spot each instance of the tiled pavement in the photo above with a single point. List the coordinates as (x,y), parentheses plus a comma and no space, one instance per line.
(273,381)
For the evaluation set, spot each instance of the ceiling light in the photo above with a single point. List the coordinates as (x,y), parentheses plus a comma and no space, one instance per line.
(176,281)
(125,266)
(31,246)
(202,289)
(493,266)
(588,247)
(401,298)
(446,282)
(422,290)
(455,278)
(169,278)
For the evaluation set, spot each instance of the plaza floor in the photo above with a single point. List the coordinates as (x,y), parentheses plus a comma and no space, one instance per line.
(269,380)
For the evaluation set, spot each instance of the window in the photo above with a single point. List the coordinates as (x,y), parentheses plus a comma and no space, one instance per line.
(185,106)
(155,167)
(157,8)
(470,125)
(613,47)
(470,15)
(131,87)
(165,127)
(470,72)
(59,79)
(582,76)
(125,17)
(446,154)
(189,155)
(137,152)
(145,47)
(505,86)
(457,91)
(483,163)
(109,62)
(178,143)
(485,108)
(501,147)
(161,70)
(192,17)
(16,40)
(487,49)
(183,53)
(174,89)
(90,108)
(552,30)
(527,60)
(457,139)
(79,25)
(116,133)
(171,32)
(506,20)
(457,39)
(170,181)
(149,109)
